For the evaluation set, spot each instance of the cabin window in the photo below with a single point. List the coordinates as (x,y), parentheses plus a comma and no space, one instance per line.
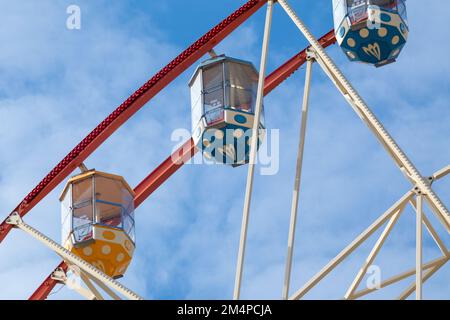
(339,12)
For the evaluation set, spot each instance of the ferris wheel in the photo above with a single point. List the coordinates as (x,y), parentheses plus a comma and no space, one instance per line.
(228,127)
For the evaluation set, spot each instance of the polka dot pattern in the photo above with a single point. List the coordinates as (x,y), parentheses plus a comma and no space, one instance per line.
(106,249)
(364,33)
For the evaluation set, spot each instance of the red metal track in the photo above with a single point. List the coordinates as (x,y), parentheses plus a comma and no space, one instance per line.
(165,170)
(47,286)
(288,68)
(136,101)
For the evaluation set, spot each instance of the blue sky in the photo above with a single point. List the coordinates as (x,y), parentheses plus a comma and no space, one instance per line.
(56,85)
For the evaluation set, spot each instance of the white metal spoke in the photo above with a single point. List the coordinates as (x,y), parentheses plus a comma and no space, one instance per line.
(352,246)
(91,287)
(400,277)
(376,249)
(253,151)
(94,284)
(298,174)
(428,274)
(419,219)
(106,289)
(87,294)
(431,230)
(442,173)
(371,120)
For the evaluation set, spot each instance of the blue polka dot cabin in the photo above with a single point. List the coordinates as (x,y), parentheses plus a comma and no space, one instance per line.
(223,99)
(371,31)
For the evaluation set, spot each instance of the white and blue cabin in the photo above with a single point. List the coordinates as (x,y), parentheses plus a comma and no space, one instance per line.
(371,31)
(223,99)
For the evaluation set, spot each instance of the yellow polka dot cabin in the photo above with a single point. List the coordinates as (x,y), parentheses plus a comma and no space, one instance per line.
(98,220)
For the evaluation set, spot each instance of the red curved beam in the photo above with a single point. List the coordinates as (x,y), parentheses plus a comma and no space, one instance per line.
(49,283)
(163,172)
(128,108)
(167,168)
(287,69)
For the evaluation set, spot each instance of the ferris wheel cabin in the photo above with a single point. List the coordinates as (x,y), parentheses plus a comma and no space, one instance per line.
(97,212)
(223,100)
(371,31)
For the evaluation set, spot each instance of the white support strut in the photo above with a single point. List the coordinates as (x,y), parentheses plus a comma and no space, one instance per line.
(106,289)
(15,220)
(377,247)
(392,214)
(419,219)
(352,246)
(298,175)
(371,120)
(434,265)
(427,275)
(253,151)
(431,230)
(91,287)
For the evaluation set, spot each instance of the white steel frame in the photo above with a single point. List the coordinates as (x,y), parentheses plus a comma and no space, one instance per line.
(421,191)
(253,152)
(422,186)
(363,110)
(298,175)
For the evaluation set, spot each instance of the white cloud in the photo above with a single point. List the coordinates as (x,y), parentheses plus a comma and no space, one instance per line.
(57,85)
